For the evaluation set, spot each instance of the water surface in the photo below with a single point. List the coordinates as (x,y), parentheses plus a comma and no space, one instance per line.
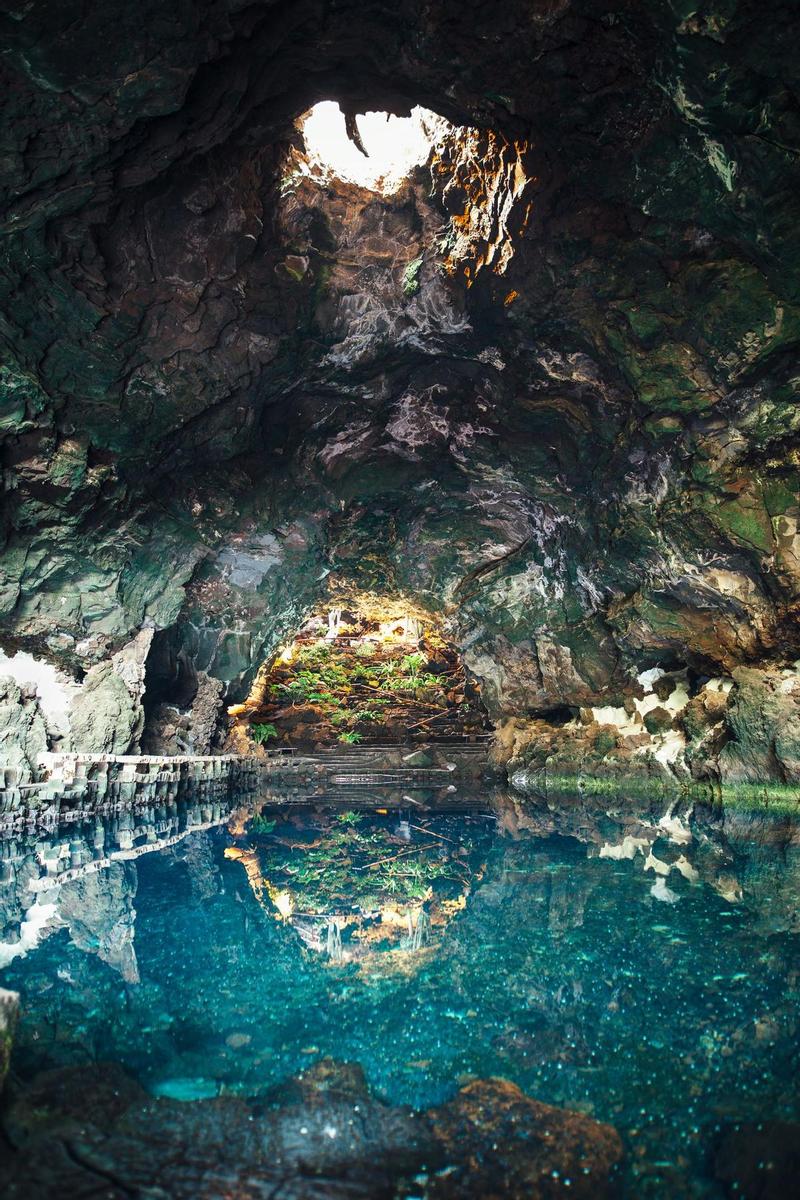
(645,973)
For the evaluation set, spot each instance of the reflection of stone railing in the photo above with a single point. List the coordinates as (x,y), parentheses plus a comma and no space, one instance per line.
(101,779)
(77,870)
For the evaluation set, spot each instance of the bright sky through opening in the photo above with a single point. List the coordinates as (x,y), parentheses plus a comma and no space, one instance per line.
(395,145)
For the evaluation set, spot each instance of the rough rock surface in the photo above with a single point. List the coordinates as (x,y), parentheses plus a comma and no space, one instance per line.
(23,734)
(759,1162)
(548,387)
(170,730)
(530,1148)
(764,721)
(107,716)
(76,1133)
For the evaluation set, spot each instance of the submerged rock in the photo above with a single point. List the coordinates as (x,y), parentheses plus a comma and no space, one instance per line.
(185,1089)
(501,1143)
(322,1134)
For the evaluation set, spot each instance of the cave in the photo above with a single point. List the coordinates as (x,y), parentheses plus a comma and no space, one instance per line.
(400,587)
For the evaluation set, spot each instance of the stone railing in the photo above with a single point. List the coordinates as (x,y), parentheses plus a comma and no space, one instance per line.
(98,780)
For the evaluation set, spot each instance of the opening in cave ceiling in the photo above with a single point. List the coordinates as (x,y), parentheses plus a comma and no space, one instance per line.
(375,150)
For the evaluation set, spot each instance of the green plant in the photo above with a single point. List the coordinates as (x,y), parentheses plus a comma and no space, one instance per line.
(312,686)
(261,733)
(411,664)
(366,650)
(411,277)
(289,691)
(414,683)
(351,739)
(368,714)
(320,652)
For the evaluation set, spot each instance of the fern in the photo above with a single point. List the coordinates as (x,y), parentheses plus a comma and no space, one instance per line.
(262,733)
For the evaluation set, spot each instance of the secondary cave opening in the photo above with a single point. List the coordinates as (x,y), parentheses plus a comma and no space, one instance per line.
(362,670)
(374,150)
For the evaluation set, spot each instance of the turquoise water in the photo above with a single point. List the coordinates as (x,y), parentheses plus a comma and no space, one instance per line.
(659,992)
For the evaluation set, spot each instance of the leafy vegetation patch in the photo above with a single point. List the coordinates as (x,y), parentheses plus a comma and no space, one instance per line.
(364,687)
(261,733)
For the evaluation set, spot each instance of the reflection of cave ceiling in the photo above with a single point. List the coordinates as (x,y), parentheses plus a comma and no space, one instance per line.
(572,426)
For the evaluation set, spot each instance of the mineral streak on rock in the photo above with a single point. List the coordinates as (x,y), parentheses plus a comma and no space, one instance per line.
(547,386)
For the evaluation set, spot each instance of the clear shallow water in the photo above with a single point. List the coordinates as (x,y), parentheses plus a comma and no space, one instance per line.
(659,992)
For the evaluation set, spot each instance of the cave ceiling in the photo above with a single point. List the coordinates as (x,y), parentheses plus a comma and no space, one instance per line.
(548,387)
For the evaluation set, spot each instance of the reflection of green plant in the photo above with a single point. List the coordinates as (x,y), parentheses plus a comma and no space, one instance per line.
(354,862)
(350,739)
(260,824)
(262,733)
